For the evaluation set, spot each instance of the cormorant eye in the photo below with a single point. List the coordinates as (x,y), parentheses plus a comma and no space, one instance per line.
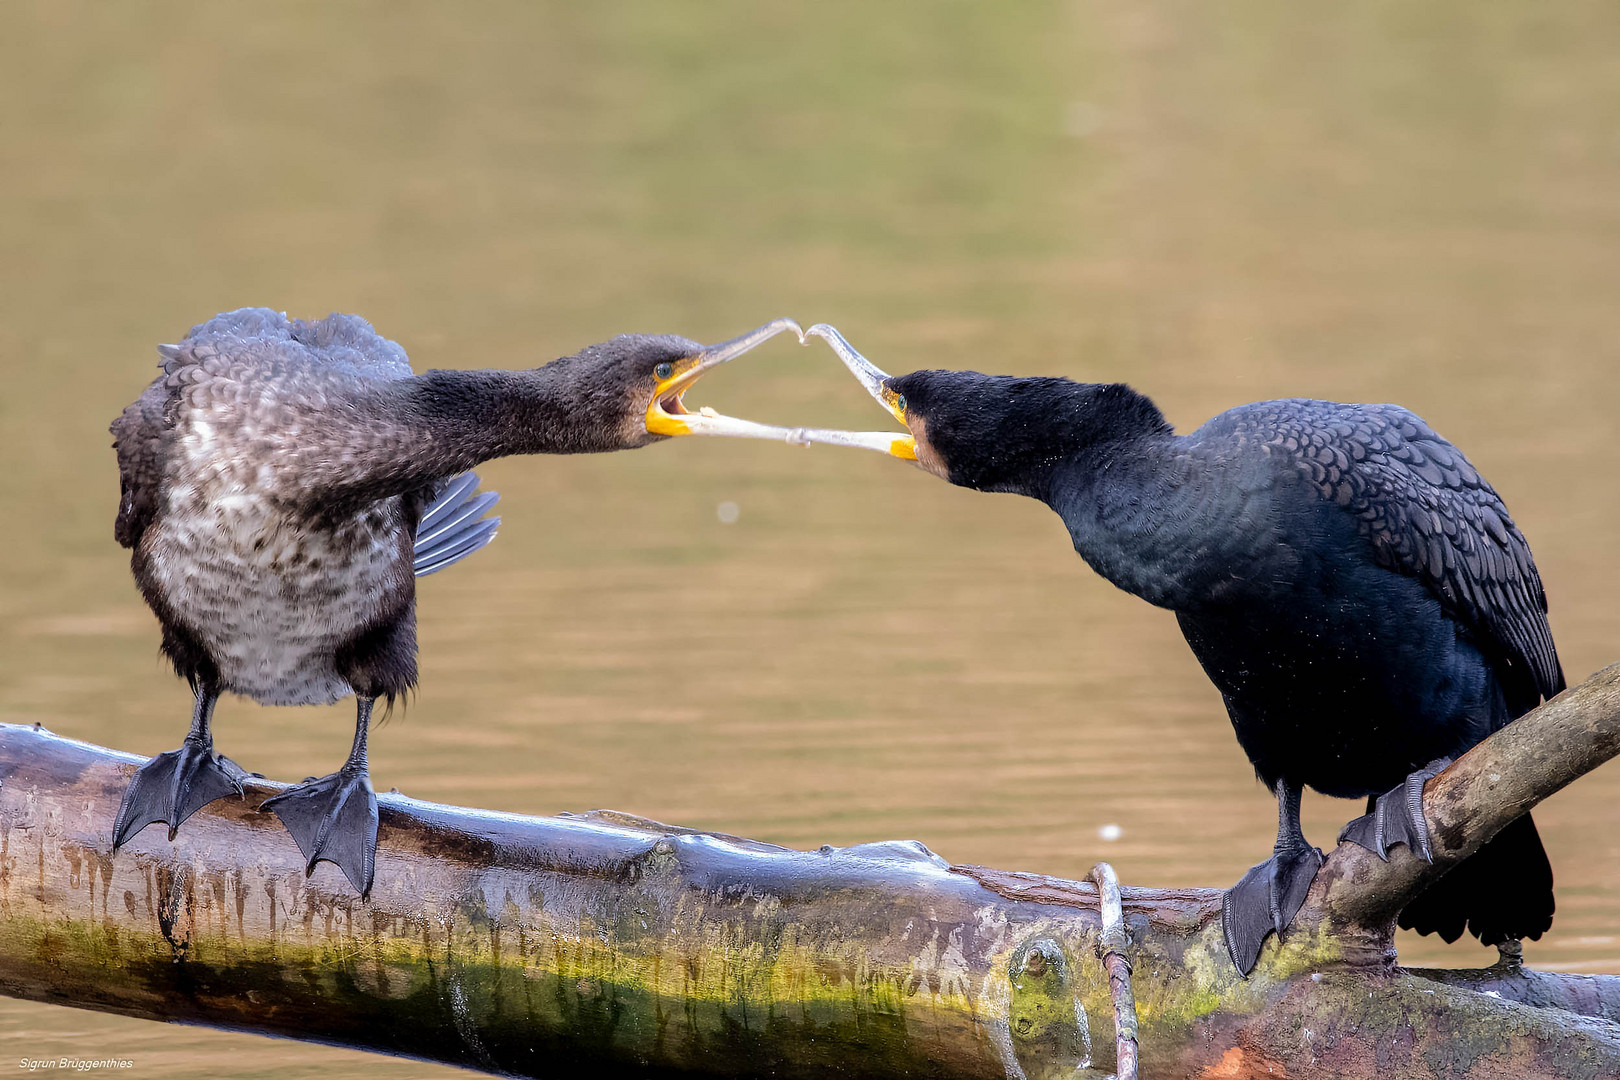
(664,370)
(900,403)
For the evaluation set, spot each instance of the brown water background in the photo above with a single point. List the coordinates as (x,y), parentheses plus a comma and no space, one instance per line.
(1219,204)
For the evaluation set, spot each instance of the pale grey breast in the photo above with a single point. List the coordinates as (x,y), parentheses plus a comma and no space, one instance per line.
(271,599)
(241,549)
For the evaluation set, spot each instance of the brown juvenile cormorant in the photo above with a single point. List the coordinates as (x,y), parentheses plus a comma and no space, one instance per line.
(1353,587)
(283,484)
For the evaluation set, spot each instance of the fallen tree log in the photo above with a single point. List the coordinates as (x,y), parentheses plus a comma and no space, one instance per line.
(536,946)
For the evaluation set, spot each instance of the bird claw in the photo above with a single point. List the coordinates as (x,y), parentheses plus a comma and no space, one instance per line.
(173,786)
(1397,818)
(1265,900)
(333,818)
(1291,877)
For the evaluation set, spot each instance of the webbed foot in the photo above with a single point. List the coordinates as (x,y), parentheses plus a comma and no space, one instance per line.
(173,786)
(333,818)
(1266,899)
(1397,817)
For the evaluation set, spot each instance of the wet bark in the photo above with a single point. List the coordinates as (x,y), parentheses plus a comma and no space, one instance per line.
(544,946)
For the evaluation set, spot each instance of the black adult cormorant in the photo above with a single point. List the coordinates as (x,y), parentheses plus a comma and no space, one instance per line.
(1352,586)
(283,484)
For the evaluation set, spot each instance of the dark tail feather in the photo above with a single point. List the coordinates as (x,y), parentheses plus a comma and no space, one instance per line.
(1503,891)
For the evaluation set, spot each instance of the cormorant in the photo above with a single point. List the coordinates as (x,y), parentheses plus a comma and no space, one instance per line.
(283,484)
(1349,582)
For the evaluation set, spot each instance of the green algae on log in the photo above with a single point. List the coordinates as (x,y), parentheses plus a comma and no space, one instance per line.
(605,942)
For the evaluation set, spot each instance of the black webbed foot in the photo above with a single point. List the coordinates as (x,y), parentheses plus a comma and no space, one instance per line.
(173,786)
(1397,817)
(1266,899)
(333,818)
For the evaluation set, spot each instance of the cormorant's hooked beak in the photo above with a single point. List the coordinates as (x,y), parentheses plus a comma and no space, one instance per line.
(666,415)
(874,379)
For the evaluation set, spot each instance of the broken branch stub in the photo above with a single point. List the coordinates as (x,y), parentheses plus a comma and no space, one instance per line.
(1469,802)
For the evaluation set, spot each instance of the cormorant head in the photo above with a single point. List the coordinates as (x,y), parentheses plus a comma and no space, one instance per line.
(637,383)
(994,432)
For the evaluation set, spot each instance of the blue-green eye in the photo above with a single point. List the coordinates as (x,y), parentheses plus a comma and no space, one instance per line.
(900,403)
(664,370)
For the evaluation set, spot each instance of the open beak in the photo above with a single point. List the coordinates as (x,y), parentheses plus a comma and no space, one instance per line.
(874,379)
(668,415)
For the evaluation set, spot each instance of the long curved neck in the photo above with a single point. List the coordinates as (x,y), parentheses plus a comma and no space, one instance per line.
(1152,515)
(412,432)
(475,416)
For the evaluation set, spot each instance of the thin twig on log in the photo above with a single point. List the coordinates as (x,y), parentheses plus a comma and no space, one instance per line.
(1112,943)
(529,946)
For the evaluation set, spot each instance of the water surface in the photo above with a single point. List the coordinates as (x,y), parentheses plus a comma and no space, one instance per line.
(1379,203)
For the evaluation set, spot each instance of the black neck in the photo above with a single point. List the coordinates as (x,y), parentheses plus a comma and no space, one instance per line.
(1132,494)
(1151,516)
(1022,435)
(1138,501)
